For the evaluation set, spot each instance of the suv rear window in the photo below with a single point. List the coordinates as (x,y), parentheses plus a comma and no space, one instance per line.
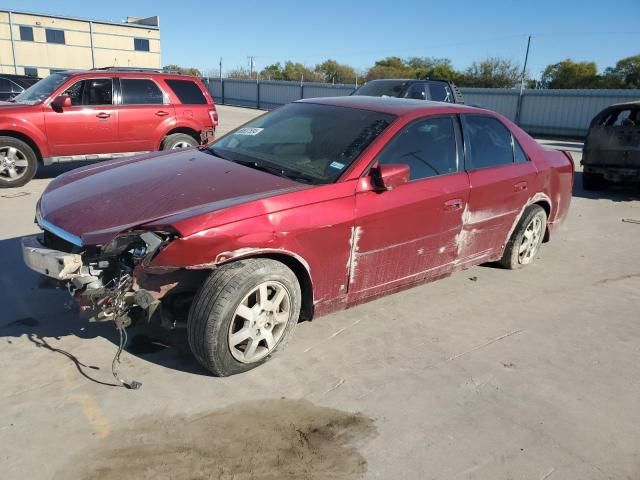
(140,92)
(626,117)
(188,92)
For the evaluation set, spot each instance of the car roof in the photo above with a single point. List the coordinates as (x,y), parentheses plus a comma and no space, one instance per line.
(392,105)
(127,72)
(633,103)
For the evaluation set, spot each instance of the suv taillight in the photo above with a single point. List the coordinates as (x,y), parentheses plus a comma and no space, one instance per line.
(214,117)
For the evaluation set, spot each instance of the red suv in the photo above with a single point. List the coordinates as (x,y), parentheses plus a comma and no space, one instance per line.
(101,114)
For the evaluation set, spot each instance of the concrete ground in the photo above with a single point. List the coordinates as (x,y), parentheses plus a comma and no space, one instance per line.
(489,374)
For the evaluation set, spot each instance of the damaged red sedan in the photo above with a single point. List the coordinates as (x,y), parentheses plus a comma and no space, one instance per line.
(312,208)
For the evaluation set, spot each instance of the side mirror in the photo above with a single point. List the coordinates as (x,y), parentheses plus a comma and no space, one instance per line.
(62,101)
(388,177)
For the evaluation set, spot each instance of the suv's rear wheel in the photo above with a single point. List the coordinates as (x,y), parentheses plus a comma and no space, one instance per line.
(526,239)
(593,181)
(178,140)
(244,313)
(18,162)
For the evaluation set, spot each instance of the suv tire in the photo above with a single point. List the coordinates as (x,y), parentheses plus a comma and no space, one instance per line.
(178,140)
(18,162)
(593,181)
(243,314)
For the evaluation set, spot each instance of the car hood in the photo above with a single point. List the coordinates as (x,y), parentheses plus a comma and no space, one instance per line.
(96,203)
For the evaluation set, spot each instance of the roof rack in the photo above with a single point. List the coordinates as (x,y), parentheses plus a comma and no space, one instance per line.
(136,69)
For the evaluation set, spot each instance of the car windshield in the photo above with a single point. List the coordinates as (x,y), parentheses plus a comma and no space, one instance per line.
(306,142)
(41,90)
(382,88)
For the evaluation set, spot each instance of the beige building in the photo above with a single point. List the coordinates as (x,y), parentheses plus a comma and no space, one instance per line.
(38,44)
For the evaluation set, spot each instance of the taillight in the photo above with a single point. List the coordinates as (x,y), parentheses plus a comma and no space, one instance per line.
(214,117)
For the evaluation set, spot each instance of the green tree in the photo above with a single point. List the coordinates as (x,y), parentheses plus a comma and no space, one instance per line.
(570,74)
(272,72)
(334,72)
(239,73)
(184,70)
(430,67)
(492,72)
(390,67)
(298,72)
(626,73)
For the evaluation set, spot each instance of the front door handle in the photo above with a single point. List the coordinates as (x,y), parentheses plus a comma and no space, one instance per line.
(520,186)
(455,204)
(103,115)
(162,113)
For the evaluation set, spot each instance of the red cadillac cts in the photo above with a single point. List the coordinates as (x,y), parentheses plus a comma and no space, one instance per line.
(312,208)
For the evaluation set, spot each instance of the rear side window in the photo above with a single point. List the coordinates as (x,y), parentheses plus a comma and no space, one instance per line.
(187,92)
(627,117)
(440,92)
(427,146)
(140,92)
(488,141)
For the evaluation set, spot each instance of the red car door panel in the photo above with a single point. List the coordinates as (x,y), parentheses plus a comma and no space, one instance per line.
(144,115)
(89,126)
(500,188)
(409,233)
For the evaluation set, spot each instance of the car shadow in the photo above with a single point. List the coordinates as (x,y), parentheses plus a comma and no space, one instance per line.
(615,193)
(52,171)
(43,313)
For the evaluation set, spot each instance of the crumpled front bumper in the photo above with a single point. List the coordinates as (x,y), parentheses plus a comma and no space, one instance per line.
(52,263)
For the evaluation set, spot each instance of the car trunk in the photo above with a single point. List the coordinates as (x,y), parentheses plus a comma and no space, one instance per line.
(614,139)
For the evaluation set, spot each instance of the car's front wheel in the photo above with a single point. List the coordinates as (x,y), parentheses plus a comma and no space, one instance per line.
(526,239)
(18,162)
(244,313)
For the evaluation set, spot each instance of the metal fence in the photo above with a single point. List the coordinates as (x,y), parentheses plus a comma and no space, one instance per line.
(542,112)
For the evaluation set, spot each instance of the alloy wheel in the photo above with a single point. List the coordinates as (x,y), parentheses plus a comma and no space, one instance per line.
(531,241)
(13,163)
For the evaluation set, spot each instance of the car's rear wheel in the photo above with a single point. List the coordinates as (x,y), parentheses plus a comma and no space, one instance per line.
(244,313)
(526,239)
(18,162)
(593,181)
(178,140)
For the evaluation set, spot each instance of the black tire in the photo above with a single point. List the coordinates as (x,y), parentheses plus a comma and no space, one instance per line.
(511,258)
(214,308)
(175,140)
(24,153)
(593,181)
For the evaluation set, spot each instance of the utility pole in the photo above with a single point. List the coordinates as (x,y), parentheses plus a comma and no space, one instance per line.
(220,65)
(524,74)
(252,61)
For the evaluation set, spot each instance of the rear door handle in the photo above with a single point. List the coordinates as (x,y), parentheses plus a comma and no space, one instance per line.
(455,204)
(162,113)
(103,115)
(520,186)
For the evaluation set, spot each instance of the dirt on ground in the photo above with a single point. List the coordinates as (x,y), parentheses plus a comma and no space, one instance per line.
(264,439)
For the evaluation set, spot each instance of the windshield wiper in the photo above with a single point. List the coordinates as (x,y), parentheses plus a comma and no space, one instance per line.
(279,171)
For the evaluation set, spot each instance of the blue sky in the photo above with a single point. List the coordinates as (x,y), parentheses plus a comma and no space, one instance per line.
(198,33)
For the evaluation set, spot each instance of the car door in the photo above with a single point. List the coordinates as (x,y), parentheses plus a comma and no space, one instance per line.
(408,234)
(89,126)
(144,113)
(502,179)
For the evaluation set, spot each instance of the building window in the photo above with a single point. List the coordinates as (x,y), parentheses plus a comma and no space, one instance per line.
(141,44)
(54,36)
(26,34)
(31,71)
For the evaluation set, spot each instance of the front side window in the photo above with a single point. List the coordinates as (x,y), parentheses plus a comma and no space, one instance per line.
(141,44)
(489,142)
(95,91)
(5,85)
(307,142)
(54,36)
(41,90)
(187,92)
(427,146)
(140,92)
(26,33)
